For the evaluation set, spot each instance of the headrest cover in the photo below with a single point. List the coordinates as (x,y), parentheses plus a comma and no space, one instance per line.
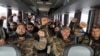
(9,51)
(78,51)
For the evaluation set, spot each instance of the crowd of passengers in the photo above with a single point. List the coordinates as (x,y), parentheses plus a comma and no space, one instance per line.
(48,38)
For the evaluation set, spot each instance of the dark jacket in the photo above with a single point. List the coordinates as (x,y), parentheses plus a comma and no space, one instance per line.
(14,36)
(96,46)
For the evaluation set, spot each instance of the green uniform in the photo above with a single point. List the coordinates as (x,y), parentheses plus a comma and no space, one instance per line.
(58,44)
(30,46)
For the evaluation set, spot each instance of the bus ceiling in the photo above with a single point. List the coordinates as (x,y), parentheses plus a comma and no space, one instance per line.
(49,6)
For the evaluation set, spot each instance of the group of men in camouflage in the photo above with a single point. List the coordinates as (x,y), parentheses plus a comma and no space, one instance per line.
(51,38)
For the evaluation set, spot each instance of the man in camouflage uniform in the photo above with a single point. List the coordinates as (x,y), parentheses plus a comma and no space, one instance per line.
(45,27)
(77,29)
(27,44)
(19,34)
(95,39)
(58,44)
(81,37)
(49,28)
(31,46)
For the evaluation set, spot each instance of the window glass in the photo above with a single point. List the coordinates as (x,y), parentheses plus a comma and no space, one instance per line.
(3,12)
(84,17)
(15,18)
(71,16)
(63,19)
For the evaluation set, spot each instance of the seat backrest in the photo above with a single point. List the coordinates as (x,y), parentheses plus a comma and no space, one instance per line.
(78,50)
(8,50)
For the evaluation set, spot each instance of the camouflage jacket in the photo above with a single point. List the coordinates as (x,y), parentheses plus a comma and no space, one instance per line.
(57,45)
(84,39)
(95,44)
(30,46)
(49,31)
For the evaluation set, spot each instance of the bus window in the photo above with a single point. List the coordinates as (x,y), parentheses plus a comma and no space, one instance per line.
(15,18)
(84,17)
(71,16)
(3,12)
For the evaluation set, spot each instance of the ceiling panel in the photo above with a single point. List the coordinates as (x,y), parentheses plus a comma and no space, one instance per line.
(78,5)
(15,4)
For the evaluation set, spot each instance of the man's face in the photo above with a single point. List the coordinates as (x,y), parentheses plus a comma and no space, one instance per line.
(12,26)
(96,32)
(44,21)
(74,20)
(30,28)
(21,30)
(65,33)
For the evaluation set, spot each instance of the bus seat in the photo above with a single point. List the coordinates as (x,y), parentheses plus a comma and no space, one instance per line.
(78,50)
(9,51)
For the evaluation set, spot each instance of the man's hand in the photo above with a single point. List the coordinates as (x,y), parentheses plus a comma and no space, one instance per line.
(41,33)
(2,17)
(83,24)
(14,14)
(30,16)
(74,20)
(2,41)
(45,21)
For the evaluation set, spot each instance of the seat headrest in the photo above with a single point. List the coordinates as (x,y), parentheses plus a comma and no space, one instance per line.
(9,51)
(78,50)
